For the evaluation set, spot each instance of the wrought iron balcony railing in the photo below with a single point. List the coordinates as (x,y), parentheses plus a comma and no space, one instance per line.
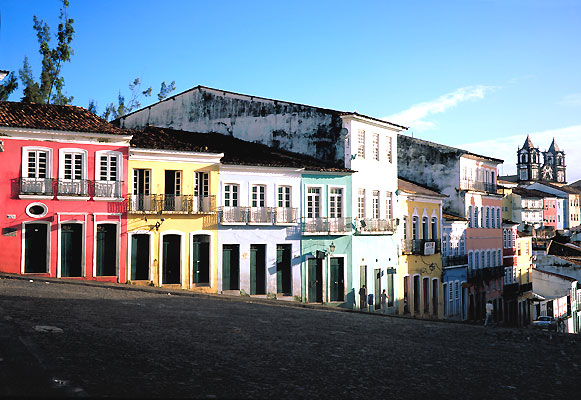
(326,225)
(421,246)
(286,215)
(73,187)
(454,261)
(479,186)
(374,225)
(260,215)
(169,203)
(257,215)
(110,189)
(485,274)
(36,186)
(233,215)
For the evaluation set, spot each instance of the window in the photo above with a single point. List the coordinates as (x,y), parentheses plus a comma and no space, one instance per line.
(202,184)
(498,225)
(470,217)
(313,202)
(258,196)
(518,250)
(361,203)
(415,228)
(141,182)
(388,148)
(470,260)
(73,172)
(504,238)
(425,228)
(37,161)
(375,204)
(405,228)
(376,146)
(475,217)
(388,213)
(451,297)
(108,174)
(73,166)
(284,196)
(361,144)
(434,228)
(488,260)
(335,203)
(231,195)
(482,259)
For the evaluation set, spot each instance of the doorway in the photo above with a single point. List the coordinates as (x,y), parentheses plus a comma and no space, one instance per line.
(106,256)
(257,269)
(377,288)
(171,258)
(35,248)
(315,271)
(283,268)
(201,259)
(231,267)
(139,257)
(71,250)
(337,279)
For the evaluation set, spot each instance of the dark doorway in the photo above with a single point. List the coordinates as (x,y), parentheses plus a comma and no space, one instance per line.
(71,250)
(139,257)
(257,269)
(315,271)
(35,247)
(201,259)
(283,268)
(337,279)
(171,259)
(377,289)
(106,256)
(231,267)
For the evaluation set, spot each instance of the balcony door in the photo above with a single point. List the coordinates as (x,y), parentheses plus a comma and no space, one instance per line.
(141,200)
(173,191)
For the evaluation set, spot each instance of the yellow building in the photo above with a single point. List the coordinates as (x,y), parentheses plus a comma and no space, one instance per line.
(420,261)
(172,221)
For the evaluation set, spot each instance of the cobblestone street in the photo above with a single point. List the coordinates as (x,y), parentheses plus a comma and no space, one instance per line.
(146,343)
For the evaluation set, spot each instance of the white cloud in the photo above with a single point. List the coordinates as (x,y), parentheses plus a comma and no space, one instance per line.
(572,100)
(567,139)
(414,116)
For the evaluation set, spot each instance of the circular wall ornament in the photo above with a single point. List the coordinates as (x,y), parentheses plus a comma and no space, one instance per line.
(36,210)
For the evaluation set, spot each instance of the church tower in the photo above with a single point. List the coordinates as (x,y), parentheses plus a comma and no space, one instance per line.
(553,169)
(528,162)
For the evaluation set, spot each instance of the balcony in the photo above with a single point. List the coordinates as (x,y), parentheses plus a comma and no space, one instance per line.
(421,246)
(455,261)
(374,225)
(107,189)
(485,274)
(326,226)
(69,188)
(479,186)
(260,215)
(35,186)
(516,289)
(257,215)
(286,215)
(73,187)
(171,204)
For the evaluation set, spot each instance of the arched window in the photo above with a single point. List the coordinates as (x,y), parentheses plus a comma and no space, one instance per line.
(476,217)
(498,225)
(488,260)
(483,258)
(425,228)
(476,260)
(488,217)
(470,217)
(434,228)
(415,228)
(470,259)
(499,256)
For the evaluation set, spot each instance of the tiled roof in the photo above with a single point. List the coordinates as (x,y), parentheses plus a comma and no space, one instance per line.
(452,217)
(415,188)
(236,151)
(53,117)
(531,193)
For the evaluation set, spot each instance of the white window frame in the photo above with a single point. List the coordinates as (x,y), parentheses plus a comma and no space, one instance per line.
(73,151)
(28,149)
(331,196)
(317,212)
(118,174)
(361,212)
(259,203)
(230,192)
(361,143)
(376,146)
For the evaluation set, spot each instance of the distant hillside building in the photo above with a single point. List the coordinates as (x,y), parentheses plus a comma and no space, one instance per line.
(530,168)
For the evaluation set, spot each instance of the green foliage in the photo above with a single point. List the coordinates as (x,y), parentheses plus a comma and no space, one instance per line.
(113,111)
(50,87)
(9,84)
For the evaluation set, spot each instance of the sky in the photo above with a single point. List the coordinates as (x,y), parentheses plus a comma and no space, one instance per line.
(474,74)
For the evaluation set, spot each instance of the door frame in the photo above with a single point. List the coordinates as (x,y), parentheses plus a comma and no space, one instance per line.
(324,290)
(191,256)
(129,249)
(328,262)
(182,236)
(117,244)
(23,244)
(83,246)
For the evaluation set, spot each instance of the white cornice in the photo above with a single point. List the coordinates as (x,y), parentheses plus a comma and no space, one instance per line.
(260,169)
(65,136)
(174,156)
(369,121)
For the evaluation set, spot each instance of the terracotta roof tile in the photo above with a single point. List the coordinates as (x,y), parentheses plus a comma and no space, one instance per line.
(415,188)
(53,117)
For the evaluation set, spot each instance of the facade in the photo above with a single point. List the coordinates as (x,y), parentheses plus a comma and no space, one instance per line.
(345,140)
(550,212)
(469,180)
(63,193)
(557,296)
(530,168)
(172,216)
(511,205)
(420,263)
(532,208)
(570,206)
(518,285)
(454,266)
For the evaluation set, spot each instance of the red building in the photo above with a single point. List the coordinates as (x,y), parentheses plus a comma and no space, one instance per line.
(550,211)
(62,193)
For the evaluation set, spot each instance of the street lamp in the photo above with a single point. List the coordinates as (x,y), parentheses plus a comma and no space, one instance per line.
(332,248)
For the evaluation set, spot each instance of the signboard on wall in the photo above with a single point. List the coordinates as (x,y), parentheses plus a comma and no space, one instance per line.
(429,248)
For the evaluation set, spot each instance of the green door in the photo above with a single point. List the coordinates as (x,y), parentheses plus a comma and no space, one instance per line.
(315,271)
(257,269)
(106,250)
(171,259)
(139,257)
(35,239)
(230,267)
(71,250)
(337,279)
(201,259)
(283,268)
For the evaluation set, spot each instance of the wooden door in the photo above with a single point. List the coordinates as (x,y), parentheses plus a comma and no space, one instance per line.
(139,257)
(71,250)
(35,247)
(106,250)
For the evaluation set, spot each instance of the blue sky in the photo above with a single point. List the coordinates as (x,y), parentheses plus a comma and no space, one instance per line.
(475,74)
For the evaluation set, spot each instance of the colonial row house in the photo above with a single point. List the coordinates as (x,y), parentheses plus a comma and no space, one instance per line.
(454,266)
(567,199)
(469,181)
(420,265)
(345,140)
(63,193)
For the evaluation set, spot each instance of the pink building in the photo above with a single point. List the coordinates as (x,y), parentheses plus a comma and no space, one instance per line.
(550,211)
(62,193)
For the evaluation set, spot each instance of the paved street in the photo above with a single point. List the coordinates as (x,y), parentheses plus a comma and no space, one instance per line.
(126,343)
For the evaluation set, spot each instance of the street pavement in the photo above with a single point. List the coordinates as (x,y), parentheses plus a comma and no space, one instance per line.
(86,339)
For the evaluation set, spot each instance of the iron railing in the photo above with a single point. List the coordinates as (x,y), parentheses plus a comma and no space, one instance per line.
(111,189)
(70,187)
(233,215)
(326,225)
(479,186)
(451,261)
(169,203)
(261,215)
(420,246)
(257,215)
(375,225)
(286,215)
(36,186)
(485,274)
